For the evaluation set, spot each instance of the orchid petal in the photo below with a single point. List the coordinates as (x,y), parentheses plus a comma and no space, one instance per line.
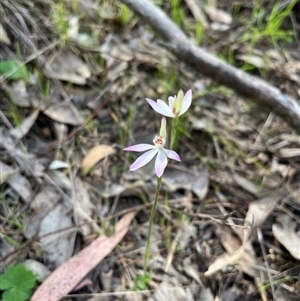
(160,107)
(179,102)
(164,106)
(187,100)
(139,147)
(171,100)
(172,155)
(160,163)
(143,159)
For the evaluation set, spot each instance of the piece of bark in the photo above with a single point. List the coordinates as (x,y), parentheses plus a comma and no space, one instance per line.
(255,88)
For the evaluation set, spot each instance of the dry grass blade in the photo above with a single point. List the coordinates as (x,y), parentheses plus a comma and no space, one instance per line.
(69,274)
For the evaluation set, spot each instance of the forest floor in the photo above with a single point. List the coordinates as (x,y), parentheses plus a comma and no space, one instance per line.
(74,76)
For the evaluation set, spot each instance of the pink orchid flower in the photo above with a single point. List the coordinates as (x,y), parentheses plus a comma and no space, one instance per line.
(152,150)
(178,105)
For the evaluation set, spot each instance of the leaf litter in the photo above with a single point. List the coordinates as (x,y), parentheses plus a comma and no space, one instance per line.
(64,178)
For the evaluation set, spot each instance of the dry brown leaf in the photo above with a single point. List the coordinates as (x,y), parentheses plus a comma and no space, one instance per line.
(95,154)
(56,243)
(22,130)
(285,232)
(69,274)
(218,15)
(83,207)
(167,291)
(6,172)
(237,254)
(68,67)
(29,164)
(197,11)
(64,112)
(289,152)
(282,293)
(246,184)
(41,205)
(3,36)
(22,186)
(255,60)
(259,210)
(196,180)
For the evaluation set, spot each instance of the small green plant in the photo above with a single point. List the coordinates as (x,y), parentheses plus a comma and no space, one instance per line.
(199,31)
(16,283)
(141,282)
(61,18)
(126,14)
(13,70)
(271,30)
(177,12)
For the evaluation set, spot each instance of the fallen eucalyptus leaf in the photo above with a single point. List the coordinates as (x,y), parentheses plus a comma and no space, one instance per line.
(69,274)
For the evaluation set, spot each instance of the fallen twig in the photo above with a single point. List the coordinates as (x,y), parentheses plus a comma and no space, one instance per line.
(255,88)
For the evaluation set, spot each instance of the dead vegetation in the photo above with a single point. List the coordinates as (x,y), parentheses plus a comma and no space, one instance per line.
(73,96)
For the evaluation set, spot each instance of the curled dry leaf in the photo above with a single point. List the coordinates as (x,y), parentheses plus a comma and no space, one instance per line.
(69,274)
(95,154)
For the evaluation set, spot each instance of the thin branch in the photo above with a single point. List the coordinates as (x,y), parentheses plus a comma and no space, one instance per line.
(255,88)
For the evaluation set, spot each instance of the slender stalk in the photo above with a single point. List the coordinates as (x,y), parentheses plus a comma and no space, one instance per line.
(153,210)
(173,132)
(148,252)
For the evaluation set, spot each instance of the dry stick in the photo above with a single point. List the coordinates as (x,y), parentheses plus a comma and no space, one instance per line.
(257,89)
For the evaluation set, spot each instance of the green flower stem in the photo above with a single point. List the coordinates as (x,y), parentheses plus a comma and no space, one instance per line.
(148,252)
(173,132)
